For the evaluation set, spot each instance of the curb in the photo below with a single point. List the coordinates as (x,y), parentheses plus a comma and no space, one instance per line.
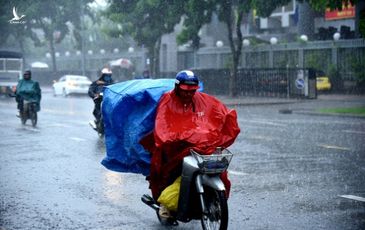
(328,114)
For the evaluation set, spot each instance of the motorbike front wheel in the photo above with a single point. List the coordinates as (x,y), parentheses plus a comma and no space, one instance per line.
(216,216)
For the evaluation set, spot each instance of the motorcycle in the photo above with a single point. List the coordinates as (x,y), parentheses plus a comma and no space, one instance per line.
(202,192)
(29,111)
(98,125)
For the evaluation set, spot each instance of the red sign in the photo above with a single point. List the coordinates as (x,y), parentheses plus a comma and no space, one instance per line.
(346,12)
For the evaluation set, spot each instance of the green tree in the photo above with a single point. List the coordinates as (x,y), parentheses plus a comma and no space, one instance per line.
(46,22)
(332,4)
(231,12)
(17,32)
(196,14)
(321,5)
(146,21)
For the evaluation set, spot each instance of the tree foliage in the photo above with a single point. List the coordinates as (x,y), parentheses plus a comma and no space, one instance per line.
(146,21)
(231,12)
(46,22)
(196,14)
(332,4)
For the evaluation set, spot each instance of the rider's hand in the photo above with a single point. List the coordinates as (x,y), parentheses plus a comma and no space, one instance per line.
(97,95)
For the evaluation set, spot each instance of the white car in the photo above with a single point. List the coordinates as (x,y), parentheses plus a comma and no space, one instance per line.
(71,84)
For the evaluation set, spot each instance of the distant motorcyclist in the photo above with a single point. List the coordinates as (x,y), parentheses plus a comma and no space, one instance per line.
(96,88)
(29,90)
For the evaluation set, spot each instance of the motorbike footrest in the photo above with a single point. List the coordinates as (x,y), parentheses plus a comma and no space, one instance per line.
(150,202)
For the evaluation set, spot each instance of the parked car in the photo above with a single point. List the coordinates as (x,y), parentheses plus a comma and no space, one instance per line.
(323,82)
(71,84)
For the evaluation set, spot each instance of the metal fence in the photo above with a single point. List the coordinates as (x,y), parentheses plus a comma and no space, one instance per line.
(342,58)
(266,82)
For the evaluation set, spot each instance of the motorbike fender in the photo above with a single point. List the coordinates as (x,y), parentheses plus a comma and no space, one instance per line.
(214,182)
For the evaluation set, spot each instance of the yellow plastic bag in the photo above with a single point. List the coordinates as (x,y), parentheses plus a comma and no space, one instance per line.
(170,195)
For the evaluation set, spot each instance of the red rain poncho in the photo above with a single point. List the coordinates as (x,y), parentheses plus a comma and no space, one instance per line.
(204,125)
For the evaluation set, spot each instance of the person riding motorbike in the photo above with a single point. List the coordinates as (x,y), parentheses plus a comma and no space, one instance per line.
(186,119)
(96,88)
(29,90)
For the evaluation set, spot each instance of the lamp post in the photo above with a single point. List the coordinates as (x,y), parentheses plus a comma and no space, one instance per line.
(219,44)
(273,41)
(82,39)
(336,38)
(245,43)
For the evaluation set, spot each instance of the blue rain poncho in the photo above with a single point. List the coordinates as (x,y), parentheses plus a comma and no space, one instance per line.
(129,110)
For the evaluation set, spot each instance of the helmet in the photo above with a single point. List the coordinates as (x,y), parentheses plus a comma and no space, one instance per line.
(27,75)
(187,80)
(106,71)
(106,76)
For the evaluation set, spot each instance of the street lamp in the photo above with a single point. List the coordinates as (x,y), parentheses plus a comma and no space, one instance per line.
(273,41)
(219,44)
(57,54)
(116,50)
(67,53)
(78,52)
(90,52)
(102,51)
(48,55)
(130,50)
(304,38)
(246,42)
(336,36)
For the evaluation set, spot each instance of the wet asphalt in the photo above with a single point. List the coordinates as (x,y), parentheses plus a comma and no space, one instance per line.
(290,170)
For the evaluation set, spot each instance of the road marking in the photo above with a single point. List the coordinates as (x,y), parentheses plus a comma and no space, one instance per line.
(354,131)
(59,125)
(257,137)
(352,197)
(31,129)
(77,139)
(334,147)
(267,123)
(237,173)
(53,111)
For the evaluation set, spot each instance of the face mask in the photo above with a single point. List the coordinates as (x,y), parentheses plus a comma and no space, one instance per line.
(107,78)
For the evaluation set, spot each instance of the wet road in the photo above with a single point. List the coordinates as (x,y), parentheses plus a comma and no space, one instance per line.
(289,172)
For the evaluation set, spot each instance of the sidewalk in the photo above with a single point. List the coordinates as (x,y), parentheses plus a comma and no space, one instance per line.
(249,100)
(309,106)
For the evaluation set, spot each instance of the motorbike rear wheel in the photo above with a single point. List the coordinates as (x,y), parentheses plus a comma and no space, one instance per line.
(23,117)
(217,210)
(100,127)
(24,113)
(34,118)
